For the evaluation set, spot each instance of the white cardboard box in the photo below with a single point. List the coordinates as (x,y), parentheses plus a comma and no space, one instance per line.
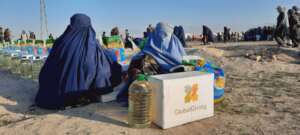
(180,98)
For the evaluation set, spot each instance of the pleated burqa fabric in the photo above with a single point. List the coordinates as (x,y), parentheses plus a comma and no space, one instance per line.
(76,66)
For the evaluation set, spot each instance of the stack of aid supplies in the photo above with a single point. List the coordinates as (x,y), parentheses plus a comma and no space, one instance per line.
(115,45)
(113,42)
(196,63)
(120,55)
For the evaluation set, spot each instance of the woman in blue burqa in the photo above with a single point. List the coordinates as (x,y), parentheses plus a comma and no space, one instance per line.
(78,69)
(162,54)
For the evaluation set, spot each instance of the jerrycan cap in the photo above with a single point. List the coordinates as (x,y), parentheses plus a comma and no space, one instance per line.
(141,77)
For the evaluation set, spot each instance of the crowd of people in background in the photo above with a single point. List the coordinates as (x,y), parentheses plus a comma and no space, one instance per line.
(6,36)
(259,34)
(286,32)
(264,33)
(130,41)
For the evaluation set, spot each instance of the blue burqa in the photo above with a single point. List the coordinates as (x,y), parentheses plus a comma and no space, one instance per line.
(165,48)
(77,65)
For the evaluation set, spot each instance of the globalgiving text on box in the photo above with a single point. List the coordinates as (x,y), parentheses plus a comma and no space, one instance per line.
(192,108)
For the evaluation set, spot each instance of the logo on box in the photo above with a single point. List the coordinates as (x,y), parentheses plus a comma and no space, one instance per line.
(191,93)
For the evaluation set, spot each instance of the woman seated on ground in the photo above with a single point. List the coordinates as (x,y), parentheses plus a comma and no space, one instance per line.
(161,54)
(78,69)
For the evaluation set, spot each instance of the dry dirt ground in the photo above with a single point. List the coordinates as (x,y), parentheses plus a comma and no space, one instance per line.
(262,97)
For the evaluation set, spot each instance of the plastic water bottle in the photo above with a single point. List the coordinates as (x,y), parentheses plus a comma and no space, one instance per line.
(6,61)
(26,69)
(36,68)
(139,103)
(15,65)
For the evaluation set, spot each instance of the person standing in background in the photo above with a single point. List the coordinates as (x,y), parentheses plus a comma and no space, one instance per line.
(145,35)
(207,35)
(24,36)
(258,34)
(264,33)
(102,38)
(127,35)
(50,36)
(7,35)
(128,44)
(119,38)
(32,36)
(1,35)
(149,30)
(294,23)
(103,34)
(270,33)
(296,9)
(226,34)
(115,31)
(281,30)
(219,37)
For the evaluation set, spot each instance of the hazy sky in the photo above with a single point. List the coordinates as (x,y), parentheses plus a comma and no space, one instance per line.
(137,14)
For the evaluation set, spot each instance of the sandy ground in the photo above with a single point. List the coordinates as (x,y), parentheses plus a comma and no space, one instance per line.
(262,97)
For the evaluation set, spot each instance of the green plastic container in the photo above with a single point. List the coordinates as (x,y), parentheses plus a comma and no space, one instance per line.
(112,39)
